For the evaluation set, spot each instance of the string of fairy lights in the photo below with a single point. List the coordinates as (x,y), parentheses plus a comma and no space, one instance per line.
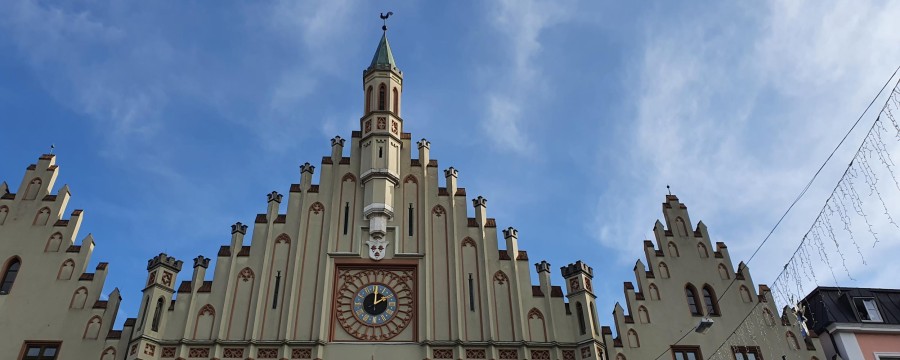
(858,203)
(852,220)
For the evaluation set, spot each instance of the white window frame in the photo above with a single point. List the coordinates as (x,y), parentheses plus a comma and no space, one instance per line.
(887,356)
(874,312)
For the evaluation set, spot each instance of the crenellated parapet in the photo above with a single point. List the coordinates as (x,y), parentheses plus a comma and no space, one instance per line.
(164,260)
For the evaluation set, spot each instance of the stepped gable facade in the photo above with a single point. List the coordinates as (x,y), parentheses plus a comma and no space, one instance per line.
(379,259)
(687,279)
(50,302)
(376,259)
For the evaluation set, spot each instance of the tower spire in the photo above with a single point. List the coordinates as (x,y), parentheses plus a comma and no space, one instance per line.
(383,58)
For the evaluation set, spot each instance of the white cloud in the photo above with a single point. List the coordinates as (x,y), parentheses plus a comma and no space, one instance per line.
(737,118)
(520,24)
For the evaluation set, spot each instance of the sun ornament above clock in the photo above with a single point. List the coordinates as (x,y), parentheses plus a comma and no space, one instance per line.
(374,304)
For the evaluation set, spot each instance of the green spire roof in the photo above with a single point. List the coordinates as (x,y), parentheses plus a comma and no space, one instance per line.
(383,59)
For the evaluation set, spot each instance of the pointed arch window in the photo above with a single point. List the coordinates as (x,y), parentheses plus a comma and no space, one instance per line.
(382,94)
(654,292)
(769,319)
(643,315)
(633,340)
(33,187)
(673,249)
(701,249)
(709,299)
(157,315)
(9,275)
(723,272)
(693,303)
(663,270)
(369,99)
(396,99)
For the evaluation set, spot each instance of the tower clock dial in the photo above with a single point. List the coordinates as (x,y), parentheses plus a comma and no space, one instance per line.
(374,304)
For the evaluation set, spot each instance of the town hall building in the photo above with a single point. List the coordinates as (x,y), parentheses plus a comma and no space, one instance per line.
(378,259)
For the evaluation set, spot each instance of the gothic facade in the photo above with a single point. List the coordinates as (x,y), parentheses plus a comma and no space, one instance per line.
(379,259)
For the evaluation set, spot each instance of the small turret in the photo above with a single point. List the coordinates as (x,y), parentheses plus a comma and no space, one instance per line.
(238,230)
(451,176)
(581,293)
(337,149)
(201,263)
(543,271)
(424,152)
(480,204)
(512,242)
(274,200)
(306,174)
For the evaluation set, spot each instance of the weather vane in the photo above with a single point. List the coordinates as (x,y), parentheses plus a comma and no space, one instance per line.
(669,189)
(384,19)
(51,148)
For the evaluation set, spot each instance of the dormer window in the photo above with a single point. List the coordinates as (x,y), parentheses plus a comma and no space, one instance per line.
(866,309)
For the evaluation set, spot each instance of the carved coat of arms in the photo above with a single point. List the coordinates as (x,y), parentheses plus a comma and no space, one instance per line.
(377,247)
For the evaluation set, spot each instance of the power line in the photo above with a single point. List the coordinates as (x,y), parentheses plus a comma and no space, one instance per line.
(793,203)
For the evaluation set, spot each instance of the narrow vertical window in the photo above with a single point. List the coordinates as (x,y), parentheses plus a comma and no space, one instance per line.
(144,313)
(346,216)
(710,301)
(411,221)
(381,95)
(580,312)
(277,284)
(471,293)
(157,315)
(9,276)
(380,149)
(369,100)
(691,295)
(396,98)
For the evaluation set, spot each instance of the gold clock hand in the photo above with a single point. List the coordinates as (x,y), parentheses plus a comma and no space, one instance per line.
(376,296)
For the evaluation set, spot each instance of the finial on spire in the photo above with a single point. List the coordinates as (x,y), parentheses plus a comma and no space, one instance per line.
(51,148)
(384,20)
(669,189)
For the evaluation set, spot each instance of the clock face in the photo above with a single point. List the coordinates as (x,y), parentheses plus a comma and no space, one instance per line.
(374,304)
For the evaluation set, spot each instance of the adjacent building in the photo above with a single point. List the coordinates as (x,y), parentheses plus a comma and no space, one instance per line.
(855,323)
(378,259)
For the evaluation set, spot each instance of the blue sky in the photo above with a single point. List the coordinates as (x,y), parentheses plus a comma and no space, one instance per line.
(172,120)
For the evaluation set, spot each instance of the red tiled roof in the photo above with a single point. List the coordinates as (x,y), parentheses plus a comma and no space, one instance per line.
(536,291)
(523,255)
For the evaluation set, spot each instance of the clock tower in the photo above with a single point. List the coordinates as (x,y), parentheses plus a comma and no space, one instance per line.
(381,145)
